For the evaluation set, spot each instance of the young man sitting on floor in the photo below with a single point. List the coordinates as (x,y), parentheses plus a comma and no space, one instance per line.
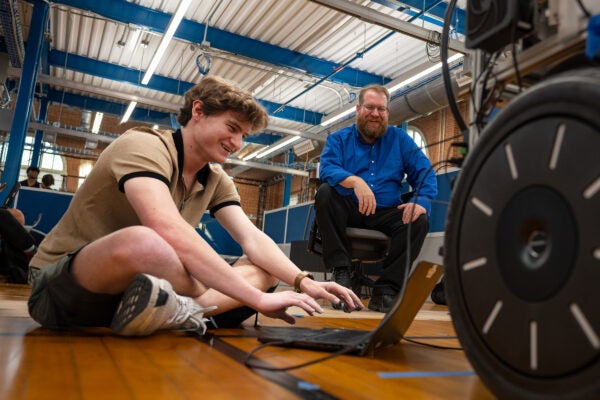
(126,255)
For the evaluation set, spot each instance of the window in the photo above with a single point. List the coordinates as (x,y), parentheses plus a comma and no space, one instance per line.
(418,137)
(84,170)
(293,199)
(51,163)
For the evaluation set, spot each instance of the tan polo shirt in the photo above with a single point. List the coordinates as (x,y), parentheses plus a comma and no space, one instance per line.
(100,207)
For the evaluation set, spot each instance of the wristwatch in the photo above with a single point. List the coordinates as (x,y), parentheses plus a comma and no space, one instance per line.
(298,279)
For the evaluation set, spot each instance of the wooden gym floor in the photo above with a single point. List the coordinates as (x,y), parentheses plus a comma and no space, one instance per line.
(38,363)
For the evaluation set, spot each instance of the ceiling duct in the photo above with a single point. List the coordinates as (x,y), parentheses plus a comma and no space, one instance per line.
(422,101)
(414,103)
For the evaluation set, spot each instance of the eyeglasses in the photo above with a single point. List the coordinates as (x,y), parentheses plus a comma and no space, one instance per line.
(371,108)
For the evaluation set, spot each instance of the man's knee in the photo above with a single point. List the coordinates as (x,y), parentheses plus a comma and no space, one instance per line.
(324,195)
(420,227)
(142,245)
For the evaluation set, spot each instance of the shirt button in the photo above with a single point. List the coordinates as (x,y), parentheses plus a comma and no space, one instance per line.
(372,174)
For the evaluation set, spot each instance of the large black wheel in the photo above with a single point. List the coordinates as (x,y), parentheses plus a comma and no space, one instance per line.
(522,244)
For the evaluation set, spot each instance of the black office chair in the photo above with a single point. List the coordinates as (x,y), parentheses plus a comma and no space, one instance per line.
(368,247)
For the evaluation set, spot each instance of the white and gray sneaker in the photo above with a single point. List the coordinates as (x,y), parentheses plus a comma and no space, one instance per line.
(150,304)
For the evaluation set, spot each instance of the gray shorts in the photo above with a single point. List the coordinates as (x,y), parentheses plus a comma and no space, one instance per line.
(58,301)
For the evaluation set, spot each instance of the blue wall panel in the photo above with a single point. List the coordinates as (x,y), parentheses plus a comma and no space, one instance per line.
(439,208)
(297,222)
(274,225)
(51,204)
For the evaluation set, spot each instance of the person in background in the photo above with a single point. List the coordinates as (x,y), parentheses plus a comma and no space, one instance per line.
(361,170)
(126,255)
(17,245)
(47,182)
(32,175)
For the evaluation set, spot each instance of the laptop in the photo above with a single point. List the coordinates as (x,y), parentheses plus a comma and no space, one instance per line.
(360,342)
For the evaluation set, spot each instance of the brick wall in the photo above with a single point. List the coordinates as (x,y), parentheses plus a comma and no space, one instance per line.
(440,131)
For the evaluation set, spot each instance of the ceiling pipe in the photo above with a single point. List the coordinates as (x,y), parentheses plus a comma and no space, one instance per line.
(414,102)
(387,21)
(354,58)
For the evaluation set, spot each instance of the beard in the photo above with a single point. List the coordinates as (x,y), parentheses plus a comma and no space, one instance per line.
(369,131)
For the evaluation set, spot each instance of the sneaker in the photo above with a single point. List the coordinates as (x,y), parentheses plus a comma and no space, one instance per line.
(150,304)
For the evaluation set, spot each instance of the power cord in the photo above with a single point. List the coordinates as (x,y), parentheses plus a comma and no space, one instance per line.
(252,362)
(446,69)
(435,346)
(583,8)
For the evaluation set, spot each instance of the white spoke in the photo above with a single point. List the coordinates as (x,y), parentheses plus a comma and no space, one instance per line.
(560,134)
(511,162)
(478,262)
(484,208)
(585,326)
(591,190)
(533,345)
(492,317)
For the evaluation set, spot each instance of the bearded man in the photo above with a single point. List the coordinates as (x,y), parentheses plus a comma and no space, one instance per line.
(362,169)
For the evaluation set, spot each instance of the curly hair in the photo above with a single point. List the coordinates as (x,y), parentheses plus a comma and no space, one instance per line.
(218,96)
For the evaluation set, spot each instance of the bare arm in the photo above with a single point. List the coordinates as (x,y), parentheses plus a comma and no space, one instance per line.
(264,253)
(151,200)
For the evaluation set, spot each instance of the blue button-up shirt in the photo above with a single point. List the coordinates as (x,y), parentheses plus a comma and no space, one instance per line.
(381,165)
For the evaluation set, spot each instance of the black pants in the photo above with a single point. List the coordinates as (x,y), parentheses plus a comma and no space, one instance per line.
(334,213)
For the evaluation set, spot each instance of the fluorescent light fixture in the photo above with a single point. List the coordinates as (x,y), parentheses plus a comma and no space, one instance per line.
(97,121)
(423,73)
(128,112)
(252,155)
(132,40)
(162,47)
(286,142)
(338,117)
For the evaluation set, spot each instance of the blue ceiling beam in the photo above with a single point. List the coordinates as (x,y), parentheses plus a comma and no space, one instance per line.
(139,114)
(126,12)
(115,72)
(439,11)
(118,73)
